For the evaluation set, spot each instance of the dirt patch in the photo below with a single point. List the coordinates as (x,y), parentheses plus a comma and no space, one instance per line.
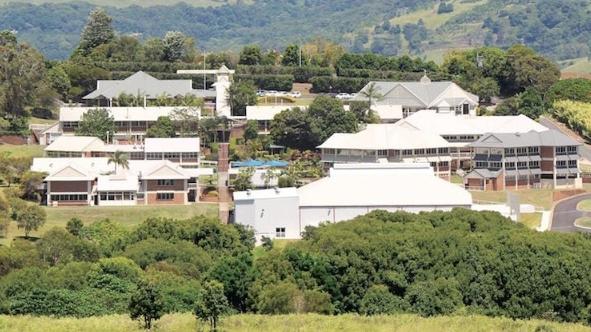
(559,195)
(13,140)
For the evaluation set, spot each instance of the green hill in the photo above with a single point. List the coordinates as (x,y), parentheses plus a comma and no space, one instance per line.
(561,30)
(280,323)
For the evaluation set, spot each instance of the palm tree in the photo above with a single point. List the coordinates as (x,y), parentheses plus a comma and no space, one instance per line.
(119,158)
(372,92)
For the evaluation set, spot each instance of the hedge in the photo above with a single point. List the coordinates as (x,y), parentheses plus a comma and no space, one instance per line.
(328,84)
(391,74)
(576,115)
(269,82)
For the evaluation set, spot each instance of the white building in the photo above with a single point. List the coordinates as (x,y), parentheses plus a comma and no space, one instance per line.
(443,97)
(350,190)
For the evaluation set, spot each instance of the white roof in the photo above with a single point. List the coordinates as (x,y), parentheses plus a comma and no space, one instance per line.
(445,124)
(405,189)
(265,194)
(267,112)
(182,144)
(157,169)
(120,182)
(74,114)
(128,148)
(381,167)
(384,137)
(388,112)
(76,144)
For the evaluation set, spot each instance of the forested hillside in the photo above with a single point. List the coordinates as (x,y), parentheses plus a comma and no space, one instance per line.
(561,30)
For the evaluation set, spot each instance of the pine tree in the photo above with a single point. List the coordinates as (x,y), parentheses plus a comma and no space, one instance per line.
(98,31)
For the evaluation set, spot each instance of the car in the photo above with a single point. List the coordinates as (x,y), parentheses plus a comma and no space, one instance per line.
(343,96)
(272,93)
(295,94)
(261,93)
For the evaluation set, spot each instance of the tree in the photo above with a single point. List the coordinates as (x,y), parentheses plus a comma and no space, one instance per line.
(251,131)
(575,89)
(213,304)
(269,176)
(177,46)
(266,243)
(250,55)
(22,78)
(434,297)
(445,8)
(293,128)
(146,304)
(331,117)
(30,182)
(292,56)
(240,95)
(379,301)
(74,226)
(98,31)
(119,158)
(371,93)
(98,123)
(59,80)
(531,103)
(529,69)
(28,217)
(186,119)
(485,88)
(163,127)
(154,49)
(243,180)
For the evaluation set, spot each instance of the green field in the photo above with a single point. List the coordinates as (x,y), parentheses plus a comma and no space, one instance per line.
(580,65)
(301,323)
(431,18)
(127,215)
(22,150)
(541,198)
(584,205)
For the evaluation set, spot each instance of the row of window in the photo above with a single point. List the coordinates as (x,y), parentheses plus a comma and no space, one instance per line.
(383,153)
(171,155)
(522,151)
(166,183)
(563,164)
(522,177)
(523,164)
(69,197)
(441,164)
(460,138)
(566,150)
(117,196)
(165,196)
(422,152)
(280,232)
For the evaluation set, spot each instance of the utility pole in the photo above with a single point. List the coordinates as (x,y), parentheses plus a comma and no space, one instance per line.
(204,79)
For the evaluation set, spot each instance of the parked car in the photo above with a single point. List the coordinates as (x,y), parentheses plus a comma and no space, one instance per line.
(261,93)
(295,94)
(343,96)
(271,93)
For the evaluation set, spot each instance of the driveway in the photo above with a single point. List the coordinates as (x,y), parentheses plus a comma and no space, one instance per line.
(565,214)
(585,151)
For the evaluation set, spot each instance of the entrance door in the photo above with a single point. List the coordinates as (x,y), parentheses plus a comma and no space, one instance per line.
(465,109)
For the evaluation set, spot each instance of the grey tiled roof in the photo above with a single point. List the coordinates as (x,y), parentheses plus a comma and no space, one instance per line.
(548,137)
(146,85)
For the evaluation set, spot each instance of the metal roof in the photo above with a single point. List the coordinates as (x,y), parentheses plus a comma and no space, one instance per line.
(177,144)
(74,114)
(76,144)
(548,137)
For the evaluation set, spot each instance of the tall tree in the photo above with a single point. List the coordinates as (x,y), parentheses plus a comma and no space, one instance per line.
(177,46)
(98,123)
(119,158)
(28,217)
(213,304)
(331,117)
(295,129)
(146,304)
(293,56)
(22,76)
(98,31)
(250,55)
(240,95)
(163,127)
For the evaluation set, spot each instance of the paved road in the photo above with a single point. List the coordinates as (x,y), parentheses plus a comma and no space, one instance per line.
(585,149)
(565,214)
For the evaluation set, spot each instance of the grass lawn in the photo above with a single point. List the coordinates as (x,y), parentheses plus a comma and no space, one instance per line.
(531,220)
(541,198)
(583,222)
(30,151)
(456,179)
(301,323)
(34,120)
(127,215)
(584,205)
(431,18)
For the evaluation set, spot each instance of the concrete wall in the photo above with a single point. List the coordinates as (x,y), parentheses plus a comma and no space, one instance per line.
(265,215)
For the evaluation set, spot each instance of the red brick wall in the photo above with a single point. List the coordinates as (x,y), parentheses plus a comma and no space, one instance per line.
(547,152)
(547,165)
(474,183)
(223,160)
(179,198)
(68,186)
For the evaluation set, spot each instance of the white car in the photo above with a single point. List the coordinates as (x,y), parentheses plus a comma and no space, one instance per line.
(343,96)
(295,94)
(271,93)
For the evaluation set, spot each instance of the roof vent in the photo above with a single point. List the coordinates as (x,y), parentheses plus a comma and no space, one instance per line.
(276,190)
(248,192)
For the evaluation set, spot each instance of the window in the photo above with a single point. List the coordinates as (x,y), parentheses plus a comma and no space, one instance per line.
(572,149)
(171,155)
(509,152)
(154,155)
(431,151)
(117,196)
(495,165)
(510,165)
(407,152)
(326,151)
(561,164)
(572,164)
(443,150)
(481,164)
(522,151)
(69,197)
(280,232)
(534,164)
(443,163)
(382,153)
(165,196)
(533,150)
(167,183)
(419,152)
(560,150)
(522,165)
